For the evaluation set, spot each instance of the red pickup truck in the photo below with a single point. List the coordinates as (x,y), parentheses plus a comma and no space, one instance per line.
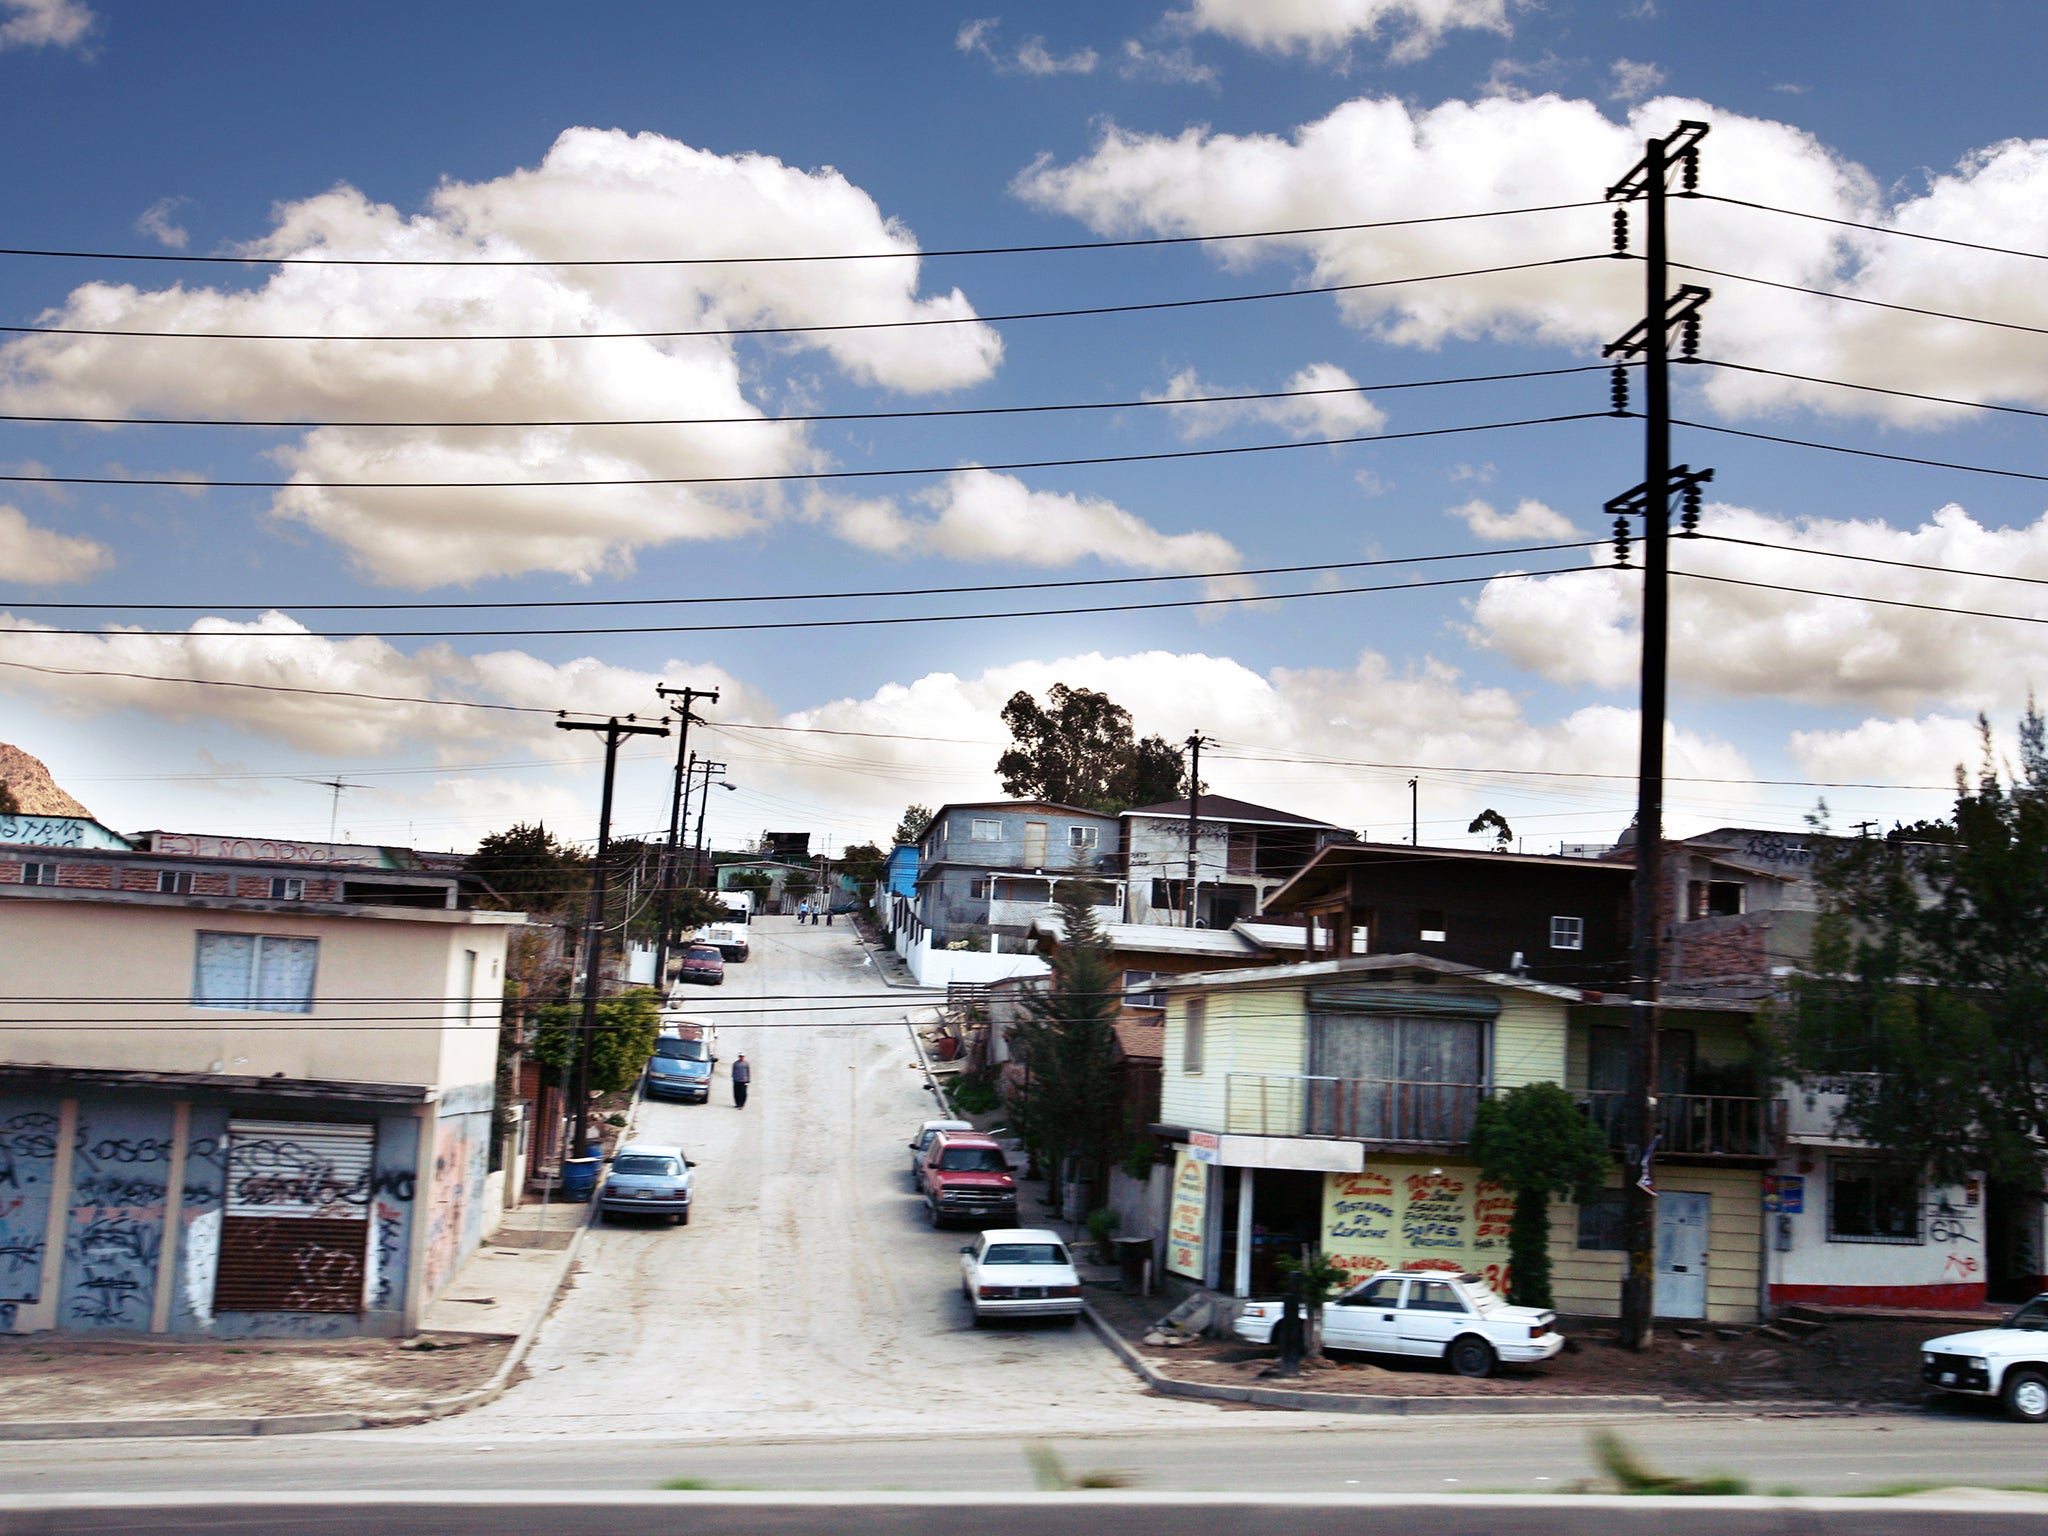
(965,1177)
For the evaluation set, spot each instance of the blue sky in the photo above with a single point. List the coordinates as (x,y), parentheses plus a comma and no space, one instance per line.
(536,132)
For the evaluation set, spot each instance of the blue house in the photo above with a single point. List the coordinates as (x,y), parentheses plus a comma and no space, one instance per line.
(899,873)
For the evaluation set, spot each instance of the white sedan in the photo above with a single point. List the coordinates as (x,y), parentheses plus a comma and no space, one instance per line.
(1430,1313)
(1020,1272)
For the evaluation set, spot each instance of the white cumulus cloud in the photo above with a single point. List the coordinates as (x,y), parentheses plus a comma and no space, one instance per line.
(1458,156)
(1324,28)
(1324,403)
(1531,519)
(1029,57)
(44,23)
(594,193)
(36,556)
(1766,642)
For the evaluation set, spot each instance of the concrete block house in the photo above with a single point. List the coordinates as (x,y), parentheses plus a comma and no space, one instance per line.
(239,1096)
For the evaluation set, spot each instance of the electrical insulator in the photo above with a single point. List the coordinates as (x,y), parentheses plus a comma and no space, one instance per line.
(1689,519)
(1689,171)
(1621,541)
(1621,231)
(1689,335)
(1618,389)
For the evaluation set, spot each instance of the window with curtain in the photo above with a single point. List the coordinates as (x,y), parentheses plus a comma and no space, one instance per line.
(1395,1077)
(255,972)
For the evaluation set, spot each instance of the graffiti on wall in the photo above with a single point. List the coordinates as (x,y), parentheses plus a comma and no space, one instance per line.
(120,1170)
(1396,1216)
(28,1159)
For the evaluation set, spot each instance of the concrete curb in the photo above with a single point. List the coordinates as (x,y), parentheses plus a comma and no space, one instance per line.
(1338,1402)
(317,1423)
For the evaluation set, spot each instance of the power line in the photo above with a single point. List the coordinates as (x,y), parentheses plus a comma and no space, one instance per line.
(222,682)
(1861,453)
(856,623)
(190,483)
(1857,597)
(1316,760)
(807,597)
(298,424)
(1904,565)
(1851,298)
(802,330)
(1873,389)
(1875,229)
(714,261)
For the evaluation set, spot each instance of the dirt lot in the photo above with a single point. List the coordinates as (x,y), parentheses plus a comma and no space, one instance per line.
(1862,1361)
(73,1379)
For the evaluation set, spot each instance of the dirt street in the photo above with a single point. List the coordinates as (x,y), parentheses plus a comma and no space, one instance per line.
(807,1295)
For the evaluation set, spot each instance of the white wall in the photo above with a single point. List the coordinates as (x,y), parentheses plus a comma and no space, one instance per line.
(937,967)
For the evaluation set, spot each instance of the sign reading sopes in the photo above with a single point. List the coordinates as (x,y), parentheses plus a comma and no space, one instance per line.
(1187,1222)
(1417,1216)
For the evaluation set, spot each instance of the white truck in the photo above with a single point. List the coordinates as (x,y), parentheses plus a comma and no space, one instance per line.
(730,935)
(2009,1362)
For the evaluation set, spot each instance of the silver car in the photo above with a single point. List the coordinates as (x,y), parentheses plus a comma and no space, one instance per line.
(648,1179)
(923,1139)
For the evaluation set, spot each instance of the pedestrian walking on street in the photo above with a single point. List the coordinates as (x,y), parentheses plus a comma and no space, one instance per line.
(828,917)
(803,913)
(742,1074)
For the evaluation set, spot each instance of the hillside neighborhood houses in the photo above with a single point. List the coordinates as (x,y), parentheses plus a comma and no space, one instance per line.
(254,1088)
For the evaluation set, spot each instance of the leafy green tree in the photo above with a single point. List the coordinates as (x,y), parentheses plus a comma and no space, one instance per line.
(1538,1142)
(799,885)
(917,820)
(1497,823)
(627,1027)
(694,907)
(1927,996)
(1078,749)
(531,871)
(862,862)
(758,882)
(1069,1105)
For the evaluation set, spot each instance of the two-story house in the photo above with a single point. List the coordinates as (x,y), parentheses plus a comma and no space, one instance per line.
(1243,853)
(241,1097)
(988,868)
(1332,1103)
(1549,918)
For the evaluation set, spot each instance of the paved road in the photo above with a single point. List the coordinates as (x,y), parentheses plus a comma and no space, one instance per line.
(807,1295)
(805,1331)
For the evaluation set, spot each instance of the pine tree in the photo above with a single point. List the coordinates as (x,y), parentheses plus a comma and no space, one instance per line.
(1069,1106)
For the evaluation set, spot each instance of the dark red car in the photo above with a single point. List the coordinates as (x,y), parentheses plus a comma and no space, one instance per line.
(703,962)
(966,1177)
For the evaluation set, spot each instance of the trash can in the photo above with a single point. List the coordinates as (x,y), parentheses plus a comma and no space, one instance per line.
(1134,1259)
(579,1177)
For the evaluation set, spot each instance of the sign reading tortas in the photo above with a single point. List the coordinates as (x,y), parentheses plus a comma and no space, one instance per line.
(1187,1224)
(1417,1216)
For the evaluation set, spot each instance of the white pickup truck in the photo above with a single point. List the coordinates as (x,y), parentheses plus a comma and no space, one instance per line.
(730,936)
(2009,1362)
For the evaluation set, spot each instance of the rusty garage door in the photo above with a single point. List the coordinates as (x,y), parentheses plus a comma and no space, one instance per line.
(296,1225)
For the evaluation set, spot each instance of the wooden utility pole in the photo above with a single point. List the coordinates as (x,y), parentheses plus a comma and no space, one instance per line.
(689,696)
(593,917)
(1650,340)
(1194,818)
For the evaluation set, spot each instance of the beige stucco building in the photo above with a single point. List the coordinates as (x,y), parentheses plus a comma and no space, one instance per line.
(240,1096)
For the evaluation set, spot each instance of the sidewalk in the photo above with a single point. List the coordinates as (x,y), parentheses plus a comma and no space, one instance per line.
(64,1386)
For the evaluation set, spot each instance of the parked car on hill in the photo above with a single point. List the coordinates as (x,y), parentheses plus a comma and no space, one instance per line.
(966,1177)
(2009,1362)
(647,1178)
(685,1078)
(703,962)
(1432,1313)
(923,1139)
(1020,1272)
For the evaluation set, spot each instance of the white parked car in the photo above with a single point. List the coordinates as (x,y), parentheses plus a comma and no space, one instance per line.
(2009,1362)
(1020,1272)
(1432,1313)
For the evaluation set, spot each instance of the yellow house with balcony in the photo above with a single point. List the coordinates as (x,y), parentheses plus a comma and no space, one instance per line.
(1332,1103)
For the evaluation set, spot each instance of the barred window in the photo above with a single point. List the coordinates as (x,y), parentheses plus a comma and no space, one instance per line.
(1873,1202)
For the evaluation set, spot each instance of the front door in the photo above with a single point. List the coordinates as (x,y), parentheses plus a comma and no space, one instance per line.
(1034,845)
(1682,1254)
(1365,1319)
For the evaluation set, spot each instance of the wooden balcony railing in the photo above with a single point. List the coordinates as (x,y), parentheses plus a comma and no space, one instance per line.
(1353,1108)
(1697,1124)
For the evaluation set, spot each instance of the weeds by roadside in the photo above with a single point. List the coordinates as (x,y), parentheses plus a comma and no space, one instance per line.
(1050,1475)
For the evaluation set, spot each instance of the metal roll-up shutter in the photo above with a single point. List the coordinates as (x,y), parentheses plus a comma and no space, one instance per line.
(295,1228)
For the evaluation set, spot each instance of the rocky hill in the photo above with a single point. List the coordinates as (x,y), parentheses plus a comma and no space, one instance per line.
(34,791)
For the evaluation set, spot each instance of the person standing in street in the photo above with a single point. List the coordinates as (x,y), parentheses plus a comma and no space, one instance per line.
(742,1075)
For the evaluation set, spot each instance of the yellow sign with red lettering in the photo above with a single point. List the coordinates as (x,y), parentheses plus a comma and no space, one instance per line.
(1187,1222)
(1417,1216)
